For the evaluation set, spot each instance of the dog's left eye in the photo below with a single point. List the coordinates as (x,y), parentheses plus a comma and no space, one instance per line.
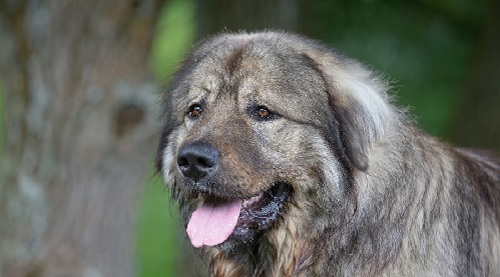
(263,113)
(195,111)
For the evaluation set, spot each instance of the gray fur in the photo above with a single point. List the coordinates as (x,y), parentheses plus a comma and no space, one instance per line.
(372,194)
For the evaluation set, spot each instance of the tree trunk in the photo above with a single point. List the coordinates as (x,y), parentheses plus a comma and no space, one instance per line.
(78,135)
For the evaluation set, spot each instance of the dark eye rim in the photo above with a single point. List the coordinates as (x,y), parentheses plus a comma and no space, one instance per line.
(195,110)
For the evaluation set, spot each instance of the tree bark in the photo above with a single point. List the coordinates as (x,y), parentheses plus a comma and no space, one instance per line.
(78,134)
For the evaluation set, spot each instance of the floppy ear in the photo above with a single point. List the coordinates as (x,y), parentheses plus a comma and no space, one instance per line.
(351,133)
(167,129)
(358,101)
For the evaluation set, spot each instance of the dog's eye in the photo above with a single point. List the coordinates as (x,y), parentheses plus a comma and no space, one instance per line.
(195,111)
(263,113)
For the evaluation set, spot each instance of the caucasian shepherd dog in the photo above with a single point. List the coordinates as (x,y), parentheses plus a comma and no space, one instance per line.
(289,159)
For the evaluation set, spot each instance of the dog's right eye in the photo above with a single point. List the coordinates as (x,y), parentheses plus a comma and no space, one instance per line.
(195,111)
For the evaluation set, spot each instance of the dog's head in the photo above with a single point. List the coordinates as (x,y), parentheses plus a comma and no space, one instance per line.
(261,129)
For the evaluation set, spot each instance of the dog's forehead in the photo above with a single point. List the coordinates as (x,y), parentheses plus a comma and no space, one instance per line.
(253,70)
(231,63)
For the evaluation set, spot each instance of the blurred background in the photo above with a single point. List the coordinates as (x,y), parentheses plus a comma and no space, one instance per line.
(80,91)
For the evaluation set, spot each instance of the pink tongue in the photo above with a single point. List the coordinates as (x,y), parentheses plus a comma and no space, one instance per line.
(213,223)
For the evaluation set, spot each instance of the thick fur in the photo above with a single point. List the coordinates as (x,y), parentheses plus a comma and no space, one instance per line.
(372,194)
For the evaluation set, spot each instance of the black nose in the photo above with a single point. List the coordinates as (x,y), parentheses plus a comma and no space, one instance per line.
(197,160)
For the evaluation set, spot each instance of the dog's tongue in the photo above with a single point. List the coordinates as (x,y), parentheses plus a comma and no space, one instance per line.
(213,223)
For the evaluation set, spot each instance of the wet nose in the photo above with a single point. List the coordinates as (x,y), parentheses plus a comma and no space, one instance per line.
(197,160)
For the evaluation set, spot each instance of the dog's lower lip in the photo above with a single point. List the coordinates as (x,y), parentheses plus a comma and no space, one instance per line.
(259,212)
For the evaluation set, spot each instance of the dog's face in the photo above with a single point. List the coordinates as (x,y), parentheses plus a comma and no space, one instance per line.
(255,129)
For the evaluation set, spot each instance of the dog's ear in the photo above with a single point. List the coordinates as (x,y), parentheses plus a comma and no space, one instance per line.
(349,129)
(166,130)
(358,101)
(360,105)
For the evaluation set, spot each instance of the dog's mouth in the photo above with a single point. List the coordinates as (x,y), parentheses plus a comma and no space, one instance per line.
(225,222)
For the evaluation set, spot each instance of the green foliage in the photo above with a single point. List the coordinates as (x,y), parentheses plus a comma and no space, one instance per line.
(158,232)
(423,52)
(174,36)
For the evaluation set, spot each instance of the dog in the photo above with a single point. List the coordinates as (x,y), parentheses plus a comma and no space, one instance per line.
(288,158)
